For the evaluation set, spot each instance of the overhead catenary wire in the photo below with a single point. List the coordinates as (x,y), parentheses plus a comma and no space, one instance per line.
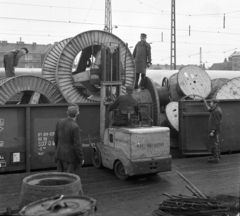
(125,11)
(128,26)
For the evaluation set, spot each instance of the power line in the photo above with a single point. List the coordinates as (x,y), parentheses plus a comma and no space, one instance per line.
(54,21)
(125,11)
(127,26)
(37,5)
(88,13)
(217,14)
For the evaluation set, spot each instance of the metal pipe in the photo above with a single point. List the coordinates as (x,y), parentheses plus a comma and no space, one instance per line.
(23,71)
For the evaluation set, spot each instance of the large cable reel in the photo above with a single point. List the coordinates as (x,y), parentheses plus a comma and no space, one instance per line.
(78,43)
(149,96)
(51,59)
(13,85)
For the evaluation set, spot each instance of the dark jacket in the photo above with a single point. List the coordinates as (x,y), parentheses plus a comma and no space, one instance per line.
(215,119)
(142,56)
(10,60)
(67,140)
(123,100)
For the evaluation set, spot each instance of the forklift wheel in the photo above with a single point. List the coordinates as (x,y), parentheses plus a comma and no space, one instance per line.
(96,158)
(119,171)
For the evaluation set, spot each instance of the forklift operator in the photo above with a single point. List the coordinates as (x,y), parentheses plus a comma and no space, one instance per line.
(124,100)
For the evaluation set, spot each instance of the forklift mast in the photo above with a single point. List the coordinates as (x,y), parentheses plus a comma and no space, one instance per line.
(111,80)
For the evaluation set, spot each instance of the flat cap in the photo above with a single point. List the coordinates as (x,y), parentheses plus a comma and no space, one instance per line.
(129,89)
(73,109)
(25,49)
(143,35)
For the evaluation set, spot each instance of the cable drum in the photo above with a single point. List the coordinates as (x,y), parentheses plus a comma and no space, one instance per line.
(163,92)
(175,95)
(193,80)
(215,85)
(12,86)
(73,47)
(229,90)
(150,96)
(172,114)
(41,185)
(51,59)
(2,80)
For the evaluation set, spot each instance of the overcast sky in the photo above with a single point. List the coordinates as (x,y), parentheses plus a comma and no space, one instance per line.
(48,21)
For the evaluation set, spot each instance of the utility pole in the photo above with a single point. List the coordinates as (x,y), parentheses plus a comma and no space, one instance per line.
(108,16)
(173,37)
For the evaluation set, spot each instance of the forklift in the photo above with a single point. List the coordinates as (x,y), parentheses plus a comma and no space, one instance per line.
(137,148)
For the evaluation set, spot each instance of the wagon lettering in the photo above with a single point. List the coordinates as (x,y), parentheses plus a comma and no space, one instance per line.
(154,145)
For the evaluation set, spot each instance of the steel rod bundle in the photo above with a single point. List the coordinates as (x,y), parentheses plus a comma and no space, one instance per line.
(191,206)
(197,204)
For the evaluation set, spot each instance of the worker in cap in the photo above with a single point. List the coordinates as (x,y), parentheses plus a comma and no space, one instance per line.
(72,111)
(124,100)
(129,89)
(142,57)
(67,138)
(11,59)
(214,126)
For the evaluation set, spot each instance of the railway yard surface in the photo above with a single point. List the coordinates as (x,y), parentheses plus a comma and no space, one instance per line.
(139,196)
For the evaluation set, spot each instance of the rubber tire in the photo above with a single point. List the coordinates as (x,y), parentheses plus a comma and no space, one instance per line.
(97,159)
(119,171)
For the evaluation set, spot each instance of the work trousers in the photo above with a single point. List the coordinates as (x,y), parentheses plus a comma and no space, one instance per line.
(8,62)
(63,166)
(215,144)
(142,82)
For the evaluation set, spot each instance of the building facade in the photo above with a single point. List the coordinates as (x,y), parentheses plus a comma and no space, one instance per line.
(233,63)
(235,59)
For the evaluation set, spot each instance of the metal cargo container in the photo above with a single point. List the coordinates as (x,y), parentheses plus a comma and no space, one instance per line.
(193,127)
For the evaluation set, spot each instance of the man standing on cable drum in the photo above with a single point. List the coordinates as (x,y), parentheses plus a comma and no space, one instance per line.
(11,59)
(142,57)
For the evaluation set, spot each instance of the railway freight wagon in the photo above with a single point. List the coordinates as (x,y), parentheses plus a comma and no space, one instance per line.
(27,134)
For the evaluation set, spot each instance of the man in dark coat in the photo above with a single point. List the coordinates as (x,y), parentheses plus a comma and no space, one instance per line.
(119,103)
(67,138)
(215,121)
(142,57)
(11,59)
